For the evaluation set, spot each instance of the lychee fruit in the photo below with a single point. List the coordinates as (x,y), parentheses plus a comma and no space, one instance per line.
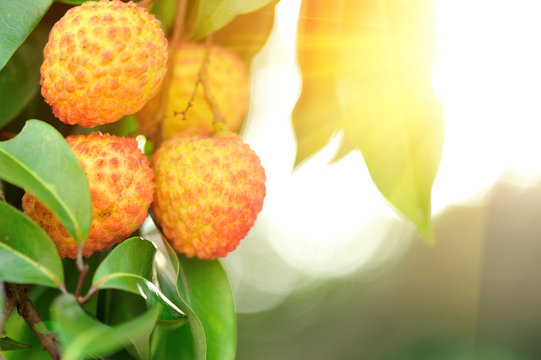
(227,76)
(209,190)
(103,60)
(121,186)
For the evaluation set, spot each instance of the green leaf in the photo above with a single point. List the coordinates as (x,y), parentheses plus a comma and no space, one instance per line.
(127,266)
(171,316)
(8,344)
(206,288)
(82,336)
(19,79)
(17,19)
(28,255)
(40,160)
(372,83)
(185,342)
(212,15)
(247,33)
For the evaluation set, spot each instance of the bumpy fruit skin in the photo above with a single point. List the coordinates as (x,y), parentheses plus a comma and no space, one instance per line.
(103,60)
(209,190)
(121,186)
(227,76)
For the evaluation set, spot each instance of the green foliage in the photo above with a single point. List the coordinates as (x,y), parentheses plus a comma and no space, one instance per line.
(18,19)
(8,344)
(189,342)
(129,267)
(126,267)
(19,80)
(374,87)
(211,15)
(206,288)
(164,11)
(32,160)
(28,255)
(82,336)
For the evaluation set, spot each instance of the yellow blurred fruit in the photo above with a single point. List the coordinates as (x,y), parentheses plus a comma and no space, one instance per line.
(228,81)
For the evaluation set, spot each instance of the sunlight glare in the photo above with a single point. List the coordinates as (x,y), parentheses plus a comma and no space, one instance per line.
(489,77)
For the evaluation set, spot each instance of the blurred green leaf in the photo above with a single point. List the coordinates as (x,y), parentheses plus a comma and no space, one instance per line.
(28,255)
(247,33)
(83,337)
(185,342)
(211,15)
(366,70)
(40,161)
(8,344)
(18,18)
(165,11)
(19,80)
(127,266)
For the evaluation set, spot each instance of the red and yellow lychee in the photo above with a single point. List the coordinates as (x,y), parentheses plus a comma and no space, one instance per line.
(103,60)
(209,190)
(121,186)
(227,77)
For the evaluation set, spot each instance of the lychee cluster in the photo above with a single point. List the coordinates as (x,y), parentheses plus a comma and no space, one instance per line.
(121,186)
(106,59)
(103,60)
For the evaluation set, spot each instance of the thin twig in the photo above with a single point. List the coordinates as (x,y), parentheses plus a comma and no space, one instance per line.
(88,295)
(201,78)
(190,102)
(155,125)
(208,93)
(25,308)
(82,274)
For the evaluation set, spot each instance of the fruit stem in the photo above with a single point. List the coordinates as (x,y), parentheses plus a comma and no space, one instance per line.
(218,118)
(88,295)
(82,275)
(202,78)
(174,43)
(79,259)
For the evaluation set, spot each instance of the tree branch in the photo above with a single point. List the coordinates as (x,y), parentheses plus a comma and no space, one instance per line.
(18,295)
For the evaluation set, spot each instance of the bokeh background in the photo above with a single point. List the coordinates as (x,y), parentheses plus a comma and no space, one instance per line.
(331,272)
